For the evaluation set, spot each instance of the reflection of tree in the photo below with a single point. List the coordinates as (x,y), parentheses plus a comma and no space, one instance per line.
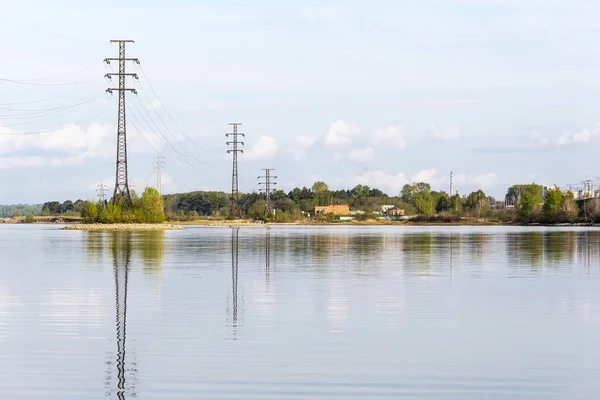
(151,245)
(525,249)
(418,249)
(559,246)
(476,244)
(94,242)
(121,250)
(552,248)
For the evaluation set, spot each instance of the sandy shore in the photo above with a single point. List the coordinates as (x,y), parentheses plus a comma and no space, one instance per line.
(122,227)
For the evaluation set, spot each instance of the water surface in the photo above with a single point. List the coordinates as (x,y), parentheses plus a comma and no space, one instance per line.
(300,313)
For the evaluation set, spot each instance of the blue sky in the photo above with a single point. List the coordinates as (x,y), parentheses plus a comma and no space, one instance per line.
(379,93)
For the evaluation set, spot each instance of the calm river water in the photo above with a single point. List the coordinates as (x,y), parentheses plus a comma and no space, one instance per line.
(300,313)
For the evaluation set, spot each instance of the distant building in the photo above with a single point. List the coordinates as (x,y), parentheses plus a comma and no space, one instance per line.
(385,208)
(547,188)
(395,212)
(337,209)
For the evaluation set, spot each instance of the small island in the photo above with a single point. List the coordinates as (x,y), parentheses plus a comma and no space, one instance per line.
(122,227)
(127,213)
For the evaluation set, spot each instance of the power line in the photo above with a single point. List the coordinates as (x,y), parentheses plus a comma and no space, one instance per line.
(234,143)
(121,191)
(57,76)
(50,116)
(268,183)
(58,129)
(169,114)
(42,100)
(47,84)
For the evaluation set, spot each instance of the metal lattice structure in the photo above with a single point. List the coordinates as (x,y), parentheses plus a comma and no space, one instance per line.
(121,192)
(268,182)
(235,148)
(159,165)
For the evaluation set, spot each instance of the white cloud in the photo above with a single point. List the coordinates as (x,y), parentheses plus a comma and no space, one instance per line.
(304,142)
(475,182)
(69,139)
(392,184)
(445,134)
(362,155)
(427,176)
(22,162)
(340,134)
(266,147)
(390,136)
(583,136)
(297,149)
(538,139)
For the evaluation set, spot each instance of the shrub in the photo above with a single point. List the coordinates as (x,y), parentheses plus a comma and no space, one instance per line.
(29,219)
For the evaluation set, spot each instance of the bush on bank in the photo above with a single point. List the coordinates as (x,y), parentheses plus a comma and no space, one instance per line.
(149,209)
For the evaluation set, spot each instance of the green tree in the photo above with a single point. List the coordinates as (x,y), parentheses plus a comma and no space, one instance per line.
(152,206)
(29,219)
(322,195)
(257,209)
(424,203)
(89,213)
(407,194)
(443,202)
(531,203)
(67,206)
(457,203)
(477,202)
(551,208)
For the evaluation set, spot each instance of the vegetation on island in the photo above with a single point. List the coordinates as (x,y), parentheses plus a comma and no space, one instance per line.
(147,209)
(523,204)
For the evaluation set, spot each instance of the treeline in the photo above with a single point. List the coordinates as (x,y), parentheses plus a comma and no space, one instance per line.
(295,205)
(522,204)
(529,205)
(19,210)
(147,209)
(67,208)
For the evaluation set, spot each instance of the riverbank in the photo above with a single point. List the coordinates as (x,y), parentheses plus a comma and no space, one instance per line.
(122,227)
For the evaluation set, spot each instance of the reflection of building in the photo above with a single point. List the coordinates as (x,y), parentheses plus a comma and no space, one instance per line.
(338,209)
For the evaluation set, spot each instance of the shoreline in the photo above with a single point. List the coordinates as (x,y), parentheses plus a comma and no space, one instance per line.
(122,227)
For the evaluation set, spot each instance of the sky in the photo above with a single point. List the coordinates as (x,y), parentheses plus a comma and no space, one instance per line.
(379,93)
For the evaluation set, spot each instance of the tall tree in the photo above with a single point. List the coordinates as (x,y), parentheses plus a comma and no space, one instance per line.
(424,203)
(531,203)
(552,203)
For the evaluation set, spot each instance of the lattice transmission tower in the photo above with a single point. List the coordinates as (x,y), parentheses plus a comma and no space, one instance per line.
(121,191)
(268,182)
(102,192)
(235,148)
(159,164)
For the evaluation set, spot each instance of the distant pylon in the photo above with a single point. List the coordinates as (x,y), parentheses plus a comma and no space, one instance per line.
(451,184)
(268,188)
(102,192)
(159,165)
(234,149)
(121,191)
